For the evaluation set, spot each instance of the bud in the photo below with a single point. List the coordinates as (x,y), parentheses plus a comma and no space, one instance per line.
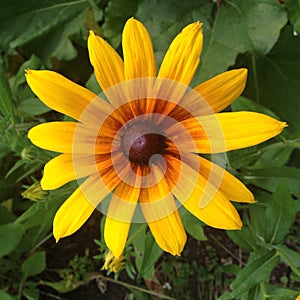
(34,192)
(26,154)
(112,263)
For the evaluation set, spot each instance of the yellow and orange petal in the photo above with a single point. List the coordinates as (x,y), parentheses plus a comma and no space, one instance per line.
(183,56)
(139,60)
(108,65)
(217,212)
(160,211)
(225,131)
(218,93)
(120,212)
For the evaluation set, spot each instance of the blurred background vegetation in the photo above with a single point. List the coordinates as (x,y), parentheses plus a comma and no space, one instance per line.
(262,261)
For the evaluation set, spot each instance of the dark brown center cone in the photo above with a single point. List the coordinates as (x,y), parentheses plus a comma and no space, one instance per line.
(141,141)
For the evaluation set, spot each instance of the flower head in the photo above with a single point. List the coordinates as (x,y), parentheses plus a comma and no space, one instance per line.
(138,152)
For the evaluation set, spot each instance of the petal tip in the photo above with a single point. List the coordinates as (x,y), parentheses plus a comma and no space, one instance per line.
(199,24)
(244,71)
(283,124)
(56,236)
(250,198)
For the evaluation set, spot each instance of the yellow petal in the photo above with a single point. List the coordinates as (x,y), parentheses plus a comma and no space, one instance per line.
(169,233)
(216,93)
(139,64)
(160,212)
(229,185)
(192,188)
(78,207)
(183,55)
(57,172)
(73,213)
(70,137)
(67,167)
(54,136)
(120,212)
(108,65)
(224,131)
(59,93)
(242,129)
(139,60)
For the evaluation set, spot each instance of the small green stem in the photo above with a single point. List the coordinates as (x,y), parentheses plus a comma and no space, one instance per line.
(46,238)
(134,236)
(255,78)
(263,291)
(129,286)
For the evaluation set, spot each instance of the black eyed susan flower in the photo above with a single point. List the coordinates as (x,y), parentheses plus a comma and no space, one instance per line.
(135,148)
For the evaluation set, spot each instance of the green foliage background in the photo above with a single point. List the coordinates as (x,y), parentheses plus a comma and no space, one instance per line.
(261,35)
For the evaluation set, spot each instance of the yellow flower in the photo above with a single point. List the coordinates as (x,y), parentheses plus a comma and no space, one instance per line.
(135,147)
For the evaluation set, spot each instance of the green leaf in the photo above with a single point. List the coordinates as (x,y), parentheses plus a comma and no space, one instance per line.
(289,257)
(193,226)
(17,81)
(150,256)
(57,43)
(10,236)
(33,107)
(226,296)
(4,150)
(6,216)
(47,208)
(254,27)
(276,293)
(293,8)
(243,157)
(116,14)
(22,169)
(31,291)
(274,156)
(6,107)
(36,17)
(34,264)
(63,286)
(269,178)
(243,103)
(274,79)
(243,238)
(280,215)
(255,272)
(93,85)
(165,24)
(5,296)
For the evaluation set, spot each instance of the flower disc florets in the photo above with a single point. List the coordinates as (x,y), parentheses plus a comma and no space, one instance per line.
(141,141)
